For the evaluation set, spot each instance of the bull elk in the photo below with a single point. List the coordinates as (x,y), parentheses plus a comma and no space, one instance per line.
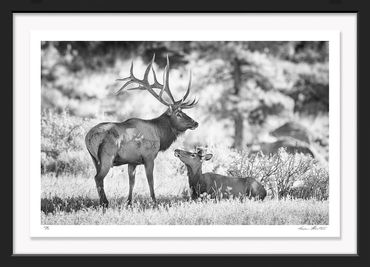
(212,183)
(137,141)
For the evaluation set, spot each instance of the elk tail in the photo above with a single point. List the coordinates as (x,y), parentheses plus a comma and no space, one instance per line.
(96,158)
(95,161)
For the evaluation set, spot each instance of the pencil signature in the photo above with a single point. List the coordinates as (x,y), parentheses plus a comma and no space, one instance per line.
(314,227)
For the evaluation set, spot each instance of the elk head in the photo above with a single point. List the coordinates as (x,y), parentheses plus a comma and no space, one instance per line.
(193,160)
(178,119)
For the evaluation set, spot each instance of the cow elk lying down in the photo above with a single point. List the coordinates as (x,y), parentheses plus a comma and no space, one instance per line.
(212,183)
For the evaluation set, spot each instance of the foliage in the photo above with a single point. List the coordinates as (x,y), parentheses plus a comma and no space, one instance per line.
(63,152)
(281,173)
(62,145)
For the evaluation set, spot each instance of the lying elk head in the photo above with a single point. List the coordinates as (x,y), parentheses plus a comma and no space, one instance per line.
(193,160)
(179,120)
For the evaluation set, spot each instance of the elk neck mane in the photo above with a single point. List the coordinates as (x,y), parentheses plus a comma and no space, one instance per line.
(167,132)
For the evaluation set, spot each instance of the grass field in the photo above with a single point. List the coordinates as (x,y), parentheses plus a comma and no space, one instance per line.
(70,200)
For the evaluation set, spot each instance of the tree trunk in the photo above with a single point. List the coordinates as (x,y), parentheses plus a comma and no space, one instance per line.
(238,125)
(238,117)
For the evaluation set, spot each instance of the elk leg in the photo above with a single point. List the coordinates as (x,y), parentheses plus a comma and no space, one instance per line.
(149,166)
(99,180)
(194,194)
(131,176)
(249,193)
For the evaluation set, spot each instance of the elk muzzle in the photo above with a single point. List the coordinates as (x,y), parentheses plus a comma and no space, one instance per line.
(181,153)
(195,125)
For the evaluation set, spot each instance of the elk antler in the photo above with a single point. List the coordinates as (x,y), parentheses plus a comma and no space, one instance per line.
(165,87)
(189,104)
(144,83)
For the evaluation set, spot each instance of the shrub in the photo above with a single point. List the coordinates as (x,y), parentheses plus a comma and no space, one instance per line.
(62,144)
(281,172)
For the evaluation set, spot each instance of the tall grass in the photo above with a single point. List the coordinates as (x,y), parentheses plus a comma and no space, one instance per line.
(177,212)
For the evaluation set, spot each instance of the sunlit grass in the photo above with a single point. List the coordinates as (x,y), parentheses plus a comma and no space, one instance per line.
(68,200)
(173,211)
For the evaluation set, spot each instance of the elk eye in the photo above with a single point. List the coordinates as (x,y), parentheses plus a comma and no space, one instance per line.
(193,155)
(178,114)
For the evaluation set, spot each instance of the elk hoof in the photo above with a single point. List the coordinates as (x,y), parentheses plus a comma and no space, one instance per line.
(154,203)
(104,204)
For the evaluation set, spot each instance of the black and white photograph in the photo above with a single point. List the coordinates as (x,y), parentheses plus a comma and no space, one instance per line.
(185,133)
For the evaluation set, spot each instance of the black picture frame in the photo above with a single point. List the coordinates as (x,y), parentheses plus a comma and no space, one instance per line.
(108,6)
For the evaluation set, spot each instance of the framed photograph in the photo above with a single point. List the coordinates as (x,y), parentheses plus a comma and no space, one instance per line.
(217,133)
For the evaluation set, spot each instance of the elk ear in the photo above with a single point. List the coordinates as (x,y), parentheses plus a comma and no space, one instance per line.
(169,111)
(207,156)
